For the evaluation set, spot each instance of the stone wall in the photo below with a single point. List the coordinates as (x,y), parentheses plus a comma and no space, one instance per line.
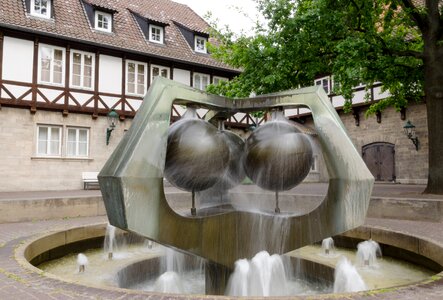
(411,166)
(23,170)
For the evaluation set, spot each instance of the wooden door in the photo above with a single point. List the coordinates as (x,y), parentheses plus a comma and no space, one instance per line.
(380,160)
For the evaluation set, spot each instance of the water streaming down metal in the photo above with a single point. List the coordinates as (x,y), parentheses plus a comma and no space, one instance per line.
(132,181)
(278,155)
(197,154)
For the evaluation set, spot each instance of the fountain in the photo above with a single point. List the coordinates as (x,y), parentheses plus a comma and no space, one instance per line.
(327,245)
(110,242)
(195,156)
(264,275)
(82,261)
(347,279)
(367,253)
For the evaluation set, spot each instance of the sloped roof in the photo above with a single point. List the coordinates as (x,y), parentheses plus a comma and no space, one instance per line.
(70,21)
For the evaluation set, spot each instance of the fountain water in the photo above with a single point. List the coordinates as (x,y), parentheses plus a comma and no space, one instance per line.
(169,282)
(327,245)
(347,278)
(82,261)
(110,243)
(367,253)
(264,275)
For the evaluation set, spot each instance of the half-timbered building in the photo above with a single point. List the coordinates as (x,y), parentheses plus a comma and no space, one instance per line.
(65,64)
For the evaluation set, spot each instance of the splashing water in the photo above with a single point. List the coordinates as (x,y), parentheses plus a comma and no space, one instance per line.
(264,275)
(82,261)
(110,242)
(327,245)
(169,282)
(347,279)
(367,253)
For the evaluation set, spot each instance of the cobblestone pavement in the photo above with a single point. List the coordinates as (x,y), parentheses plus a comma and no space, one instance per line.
(19,282)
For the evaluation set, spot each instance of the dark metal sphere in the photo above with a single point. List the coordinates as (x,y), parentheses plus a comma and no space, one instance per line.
(235,172)
(196,156)
(278,156)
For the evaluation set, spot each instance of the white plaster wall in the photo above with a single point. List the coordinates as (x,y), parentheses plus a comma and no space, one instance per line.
(378,94)
(22,171)
(110,74)
(338,101)
(17,59)
(359,97)
(182,76)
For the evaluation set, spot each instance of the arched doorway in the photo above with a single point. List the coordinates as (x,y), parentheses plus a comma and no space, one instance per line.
(380,160)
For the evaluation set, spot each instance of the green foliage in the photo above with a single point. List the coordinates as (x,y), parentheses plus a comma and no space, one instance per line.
(358,41)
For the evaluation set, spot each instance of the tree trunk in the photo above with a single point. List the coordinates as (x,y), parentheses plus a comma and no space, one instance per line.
(433,63)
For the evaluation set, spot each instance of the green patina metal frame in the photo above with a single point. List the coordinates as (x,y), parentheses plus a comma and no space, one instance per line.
(132,181)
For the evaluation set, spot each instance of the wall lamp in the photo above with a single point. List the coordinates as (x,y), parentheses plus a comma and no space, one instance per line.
(112,120)
(410,133)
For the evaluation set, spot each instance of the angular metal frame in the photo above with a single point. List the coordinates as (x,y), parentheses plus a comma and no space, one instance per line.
(132,181)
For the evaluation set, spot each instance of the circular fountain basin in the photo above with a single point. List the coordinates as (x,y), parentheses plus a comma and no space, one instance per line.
(45,250)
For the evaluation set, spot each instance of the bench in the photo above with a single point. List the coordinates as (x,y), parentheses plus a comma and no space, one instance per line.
(90,179)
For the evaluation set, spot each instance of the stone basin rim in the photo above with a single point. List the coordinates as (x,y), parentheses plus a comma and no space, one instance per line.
(72,234)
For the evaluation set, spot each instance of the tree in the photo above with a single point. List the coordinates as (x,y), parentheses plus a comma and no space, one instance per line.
(396,42)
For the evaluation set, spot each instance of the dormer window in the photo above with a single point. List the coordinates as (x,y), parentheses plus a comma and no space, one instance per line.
(41,8)
(156,34)
(103,21)
(200,44)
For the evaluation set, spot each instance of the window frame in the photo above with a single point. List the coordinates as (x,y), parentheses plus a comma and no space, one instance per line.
(199,37)
(48,146)
(105,14)
(161,68)
(162,33)
(82,66)
(201,82)
(77,141)
(51,70)
(320,80)
(145,82)
(35,13)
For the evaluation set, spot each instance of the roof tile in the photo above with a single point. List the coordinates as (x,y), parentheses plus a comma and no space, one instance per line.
(70,21)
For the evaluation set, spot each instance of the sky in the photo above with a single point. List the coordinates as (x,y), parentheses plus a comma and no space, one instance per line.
(226,12)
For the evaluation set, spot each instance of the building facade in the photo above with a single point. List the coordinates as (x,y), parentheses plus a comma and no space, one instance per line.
(64,65)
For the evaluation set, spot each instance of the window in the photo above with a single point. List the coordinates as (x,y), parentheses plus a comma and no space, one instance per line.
(51,64)
(82,69)
(217,79)
(48,140)
(77,142)
(156,34)
(200,44)
(103,21)
(159,71)
(200,81)
(324,82)
(41,8)
(135,78)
